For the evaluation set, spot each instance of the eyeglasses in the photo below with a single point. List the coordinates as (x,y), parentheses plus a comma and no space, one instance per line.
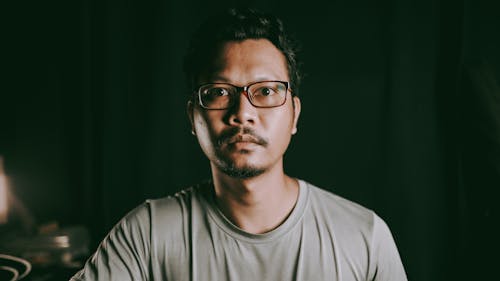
(262,94)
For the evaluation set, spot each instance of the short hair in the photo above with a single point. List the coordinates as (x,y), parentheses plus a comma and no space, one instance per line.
(238,25)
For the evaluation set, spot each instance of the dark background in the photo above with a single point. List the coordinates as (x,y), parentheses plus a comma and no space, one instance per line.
(401,113)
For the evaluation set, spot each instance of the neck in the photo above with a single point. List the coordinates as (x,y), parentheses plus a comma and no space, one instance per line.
(258,204)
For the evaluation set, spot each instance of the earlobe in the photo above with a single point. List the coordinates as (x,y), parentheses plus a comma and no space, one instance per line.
(296,113)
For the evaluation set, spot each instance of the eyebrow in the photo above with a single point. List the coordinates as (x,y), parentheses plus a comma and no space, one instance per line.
(218,78)
(222,79)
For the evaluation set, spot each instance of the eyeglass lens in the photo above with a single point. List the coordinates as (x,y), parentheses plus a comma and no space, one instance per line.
(260,94)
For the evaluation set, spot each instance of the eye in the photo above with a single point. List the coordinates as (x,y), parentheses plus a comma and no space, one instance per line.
(265,91)
(217,92)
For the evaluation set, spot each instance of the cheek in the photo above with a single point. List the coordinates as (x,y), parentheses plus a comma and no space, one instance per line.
(205,128)
(281,128)
(202,129)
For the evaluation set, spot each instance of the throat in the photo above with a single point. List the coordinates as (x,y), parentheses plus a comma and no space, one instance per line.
(258,211)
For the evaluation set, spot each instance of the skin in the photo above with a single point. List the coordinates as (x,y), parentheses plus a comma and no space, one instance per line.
(260,203)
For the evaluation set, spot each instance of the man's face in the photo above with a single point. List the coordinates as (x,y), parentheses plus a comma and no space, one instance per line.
(245,141)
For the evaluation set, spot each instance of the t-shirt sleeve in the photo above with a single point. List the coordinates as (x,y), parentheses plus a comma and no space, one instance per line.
(385,259)
(124,253)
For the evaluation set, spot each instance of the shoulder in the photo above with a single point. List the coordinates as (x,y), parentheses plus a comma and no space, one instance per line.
(349,219)
(345,214)
(160,214)
(363,237)
(170,217)
(336,204)
(172,209)
(172,203)
(151,216)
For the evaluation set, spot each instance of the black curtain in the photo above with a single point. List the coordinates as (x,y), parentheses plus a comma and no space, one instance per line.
(400,113)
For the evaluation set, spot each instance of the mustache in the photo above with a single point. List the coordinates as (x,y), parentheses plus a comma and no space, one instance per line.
(235,134)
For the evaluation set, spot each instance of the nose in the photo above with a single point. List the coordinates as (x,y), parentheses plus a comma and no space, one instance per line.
(242,112)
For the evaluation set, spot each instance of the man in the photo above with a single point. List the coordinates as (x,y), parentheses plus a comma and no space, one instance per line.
(251,221)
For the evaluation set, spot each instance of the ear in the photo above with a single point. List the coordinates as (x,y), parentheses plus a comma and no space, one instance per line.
(190,113)
(296,114)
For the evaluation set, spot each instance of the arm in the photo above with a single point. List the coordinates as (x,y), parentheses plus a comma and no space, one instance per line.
(384,256)
(124,253)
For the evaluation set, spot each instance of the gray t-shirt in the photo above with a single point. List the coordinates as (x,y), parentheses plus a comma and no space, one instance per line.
(185,237)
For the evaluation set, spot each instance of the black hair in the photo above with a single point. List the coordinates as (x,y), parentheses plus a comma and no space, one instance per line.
(237,25)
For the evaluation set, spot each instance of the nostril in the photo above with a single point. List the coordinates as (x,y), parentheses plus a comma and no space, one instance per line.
(234,120)
(240,118)
(242,112)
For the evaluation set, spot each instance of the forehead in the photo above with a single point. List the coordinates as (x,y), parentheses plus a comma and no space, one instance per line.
(246,61)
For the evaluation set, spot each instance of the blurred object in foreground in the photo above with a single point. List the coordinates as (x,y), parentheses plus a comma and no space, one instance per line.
(42,251)
(13,268)
(3,194)
(13,212)
(54,246)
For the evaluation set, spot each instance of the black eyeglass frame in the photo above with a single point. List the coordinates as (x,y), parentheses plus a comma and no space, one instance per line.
(244,90)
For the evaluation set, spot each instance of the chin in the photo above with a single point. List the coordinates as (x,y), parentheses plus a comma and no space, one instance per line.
(232,168)
(242,173)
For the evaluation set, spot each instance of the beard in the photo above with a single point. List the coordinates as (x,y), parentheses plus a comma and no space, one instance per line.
(244,172)
(227,166)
